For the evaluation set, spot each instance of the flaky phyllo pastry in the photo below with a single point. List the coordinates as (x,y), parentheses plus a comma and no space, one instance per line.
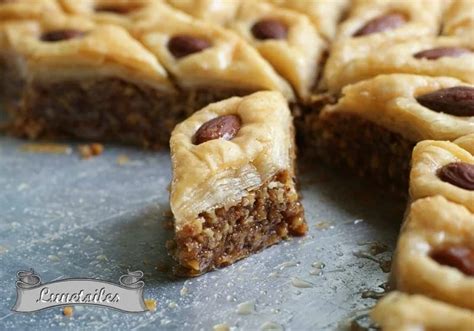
(233,190)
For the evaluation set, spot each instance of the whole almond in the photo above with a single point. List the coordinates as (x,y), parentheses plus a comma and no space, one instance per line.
(436,53)
(60,35)
(460,174)
(184,45)
(225,127)
(457,101)
(461,258)
(381,23)
(269,29)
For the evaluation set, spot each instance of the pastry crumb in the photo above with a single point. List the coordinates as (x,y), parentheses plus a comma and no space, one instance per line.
(68,311)
(150,304)
(90,150)
(122,159)
(47,148)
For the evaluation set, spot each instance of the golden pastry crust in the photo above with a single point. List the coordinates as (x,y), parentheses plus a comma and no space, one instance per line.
(459,19)
(403,312)
(215,11)
(261,149)
(229,61)
(120,12)
(422,19)
(434,223)
(102,50)
(325,14)
(348,65)
(466,142)
(390,102)
(295,57)
(27,9)
(428,158)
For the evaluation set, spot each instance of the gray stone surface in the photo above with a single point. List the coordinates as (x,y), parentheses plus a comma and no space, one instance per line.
(66,217)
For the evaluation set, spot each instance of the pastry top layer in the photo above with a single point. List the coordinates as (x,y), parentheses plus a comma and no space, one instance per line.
(422,19)
(27,9)
(432,224)
(324,14)
(459,19)
(390,101)
(429,157)
(220,172)
(219,57)
(348,65)
(403,312)
(81,47)
(120,12)
(216,11)
(466,142)
(286,39)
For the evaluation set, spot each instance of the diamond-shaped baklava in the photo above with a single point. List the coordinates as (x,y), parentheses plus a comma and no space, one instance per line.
(374,25)
(285,38)
(443,168)
(211,62)
(12,71)
(403,312)
(435,252)
(375,124)
(443,56)
(233,190)
(94,82)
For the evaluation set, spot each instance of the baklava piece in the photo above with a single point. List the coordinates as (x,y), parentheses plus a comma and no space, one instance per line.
(286,39)
(208,63)
(120,12)
(403,312)
(12,74)
(216,11)
(233,189)
(93,82)
(442,56)
(374,25)
(443,168)
(435,252)
(324,14)
(374,126)
(459,19)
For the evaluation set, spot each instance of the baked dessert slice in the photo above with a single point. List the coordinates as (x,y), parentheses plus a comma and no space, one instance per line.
(216,11)
(324,14)
(12,73)
(435,252)
(443,168)
(374,126)
(207,62)
(459,19)
(233,189)
(441,56)
(404,312)
(93,82)
(374,25)
(286,39)
(119,12)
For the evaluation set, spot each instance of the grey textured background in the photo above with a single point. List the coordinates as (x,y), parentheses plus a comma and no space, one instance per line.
(66,217)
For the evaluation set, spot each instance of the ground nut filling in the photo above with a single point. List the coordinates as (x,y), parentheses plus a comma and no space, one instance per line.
(109,109)
(366,149)
(262,218)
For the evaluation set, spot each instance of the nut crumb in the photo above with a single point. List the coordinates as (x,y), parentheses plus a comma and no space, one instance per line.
(48,148)
(90,150)
(122,159)
(68,311)
(150,304)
